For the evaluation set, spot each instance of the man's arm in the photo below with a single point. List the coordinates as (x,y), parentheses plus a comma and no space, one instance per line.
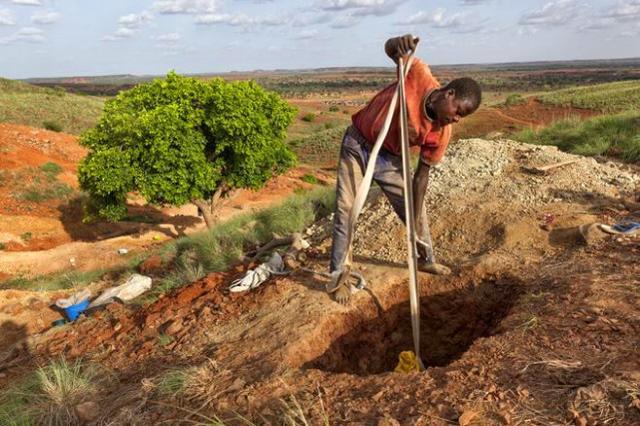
(420,183)
(400,47)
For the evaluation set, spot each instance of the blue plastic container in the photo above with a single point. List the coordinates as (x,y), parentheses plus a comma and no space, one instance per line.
(74,311)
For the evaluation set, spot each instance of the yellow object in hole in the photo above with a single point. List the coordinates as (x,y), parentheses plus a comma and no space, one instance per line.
(407,363)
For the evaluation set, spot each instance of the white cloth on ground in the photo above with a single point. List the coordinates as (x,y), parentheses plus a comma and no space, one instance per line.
(132,288)
(255,277)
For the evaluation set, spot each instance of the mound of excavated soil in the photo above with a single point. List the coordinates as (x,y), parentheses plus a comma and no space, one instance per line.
(535,326)
(482,199)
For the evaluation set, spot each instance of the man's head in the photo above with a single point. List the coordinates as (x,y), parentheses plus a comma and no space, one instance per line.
(459,98)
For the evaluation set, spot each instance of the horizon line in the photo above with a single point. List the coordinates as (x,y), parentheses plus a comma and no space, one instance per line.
(291,70)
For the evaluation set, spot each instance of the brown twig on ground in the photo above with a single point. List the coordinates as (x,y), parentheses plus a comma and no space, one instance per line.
(294,240)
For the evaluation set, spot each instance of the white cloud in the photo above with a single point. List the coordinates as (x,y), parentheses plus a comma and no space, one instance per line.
(168,38)
(346,21)
(241,20)
(361,7)
(45,17)
(27,2)
(553,13)
(595,24)
(186,6)
(25,34)
(472,2)
(6,17)
(625,11)
(120,34)
(134,20)
(308,34)
(437,19)
(302,20)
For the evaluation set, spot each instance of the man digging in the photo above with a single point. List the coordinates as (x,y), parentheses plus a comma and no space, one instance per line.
(431,112)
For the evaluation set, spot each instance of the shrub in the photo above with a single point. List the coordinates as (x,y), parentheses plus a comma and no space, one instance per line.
(51,170)
(52,125)
(179,139)
(36,194)
(334,108)
(309,117)
(515,99)
(310,179)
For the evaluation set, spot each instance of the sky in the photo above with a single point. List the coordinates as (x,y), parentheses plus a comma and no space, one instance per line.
(47,38)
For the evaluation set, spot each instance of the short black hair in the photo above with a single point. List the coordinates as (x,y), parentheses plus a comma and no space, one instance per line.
(467,89)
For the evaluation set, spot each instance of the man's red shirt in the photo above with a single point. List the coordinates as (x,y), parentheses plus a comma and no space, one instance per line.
(432,139)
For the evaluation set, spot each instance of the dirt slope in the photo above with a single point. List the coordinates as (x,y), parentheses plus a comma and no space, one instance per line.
(42,234)
(535,327)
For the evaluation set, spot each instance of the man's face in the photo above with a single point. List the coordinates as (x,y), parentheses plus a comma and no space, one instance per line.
(449,110)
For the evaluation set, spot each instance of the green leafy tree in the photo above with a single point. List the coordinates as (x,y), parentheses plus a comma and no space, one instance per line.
(179,140)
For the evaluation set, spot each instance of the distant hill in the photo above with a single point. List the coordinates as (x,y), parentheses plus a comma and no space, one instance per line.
(609,97)
(501,77)
(22,103)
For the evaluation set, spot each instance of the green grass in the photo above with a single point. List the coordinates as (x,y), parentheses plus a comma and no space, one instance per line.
(59,281)
(309,117)
(22,103)
(615,135)
(52,125)
(43,184)
(173,382)
(49,395)
(609,97)
(208,251)
(308,178)
(515,99)
(320,146)
(36,194)
(224,244)
(51,171)
(164,339)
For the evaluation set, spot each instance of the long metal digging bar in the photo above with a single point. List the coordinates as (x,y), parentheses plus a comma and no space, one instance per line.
(412,252)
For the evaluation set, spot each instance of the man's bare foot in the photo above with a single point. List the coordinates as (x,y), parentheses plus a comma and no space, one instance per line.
(343,294)
(341,288)
(433,268)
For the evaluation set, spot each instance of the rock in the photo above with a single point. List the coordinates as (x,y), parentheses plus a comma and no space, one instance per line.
(467,417)
(387,421)
(580,421)
(592,234)
(237,385)
(152,265)
(173,327)
(87,411)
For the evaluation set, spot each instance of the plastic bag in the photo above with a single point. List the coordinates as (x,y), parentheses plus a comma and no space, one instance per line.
(134,287)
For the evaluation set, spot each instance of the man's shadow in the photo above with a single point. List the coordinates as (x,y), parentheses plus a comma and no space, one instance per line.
(13,344)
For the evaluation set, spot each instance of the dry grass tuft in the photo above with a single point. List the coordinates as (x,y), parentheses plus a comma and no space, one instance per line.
(51,395)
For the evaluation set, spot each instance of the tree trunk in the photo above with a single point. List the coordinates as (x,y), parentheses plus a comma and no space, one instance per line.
(205,210)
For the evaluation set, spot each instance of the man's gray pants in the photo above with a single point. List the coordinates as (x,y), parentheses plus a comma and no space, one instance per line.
(354,156)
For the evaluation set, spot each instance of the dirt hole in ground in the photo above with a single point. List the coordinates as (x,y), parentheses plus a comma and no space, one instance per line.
(450,323)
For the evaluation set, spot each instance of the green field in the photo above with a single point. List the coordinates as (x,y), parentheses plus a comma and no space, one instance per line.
(608,98)
(615,135)
(22,103)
